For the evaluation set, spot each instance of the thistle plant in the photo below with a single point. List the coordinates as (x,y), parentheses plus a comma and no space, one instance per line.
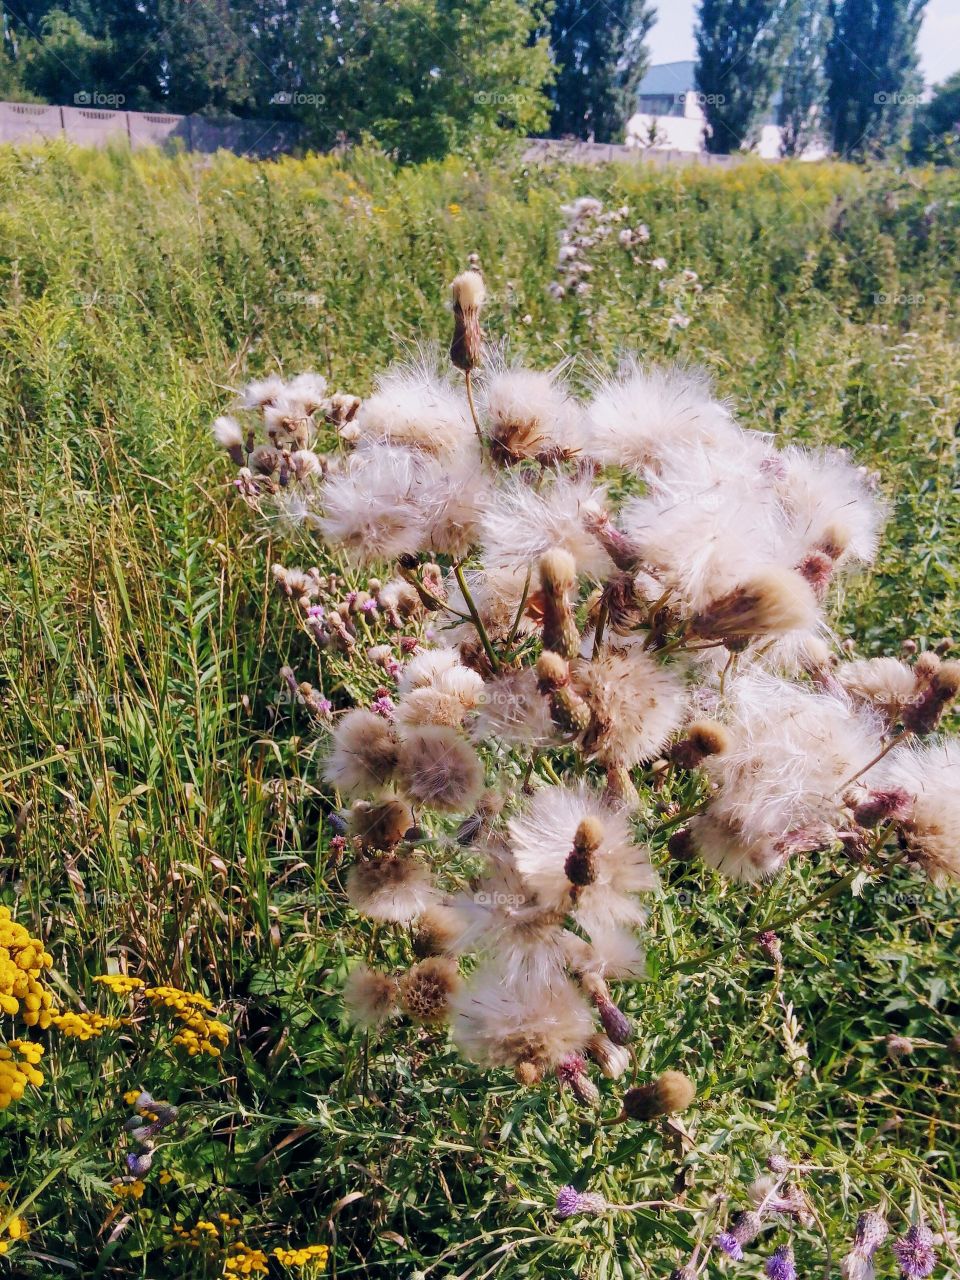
(578,628)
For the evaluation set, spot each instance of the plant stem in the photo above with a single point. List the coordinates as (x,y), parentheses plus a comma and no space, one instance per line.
(601,624)
(520,608)
(468,380)
(894,741)
(475,617)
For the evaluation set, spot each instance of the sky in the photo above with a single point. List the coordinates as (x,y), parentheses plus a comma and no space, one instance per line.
(671,39)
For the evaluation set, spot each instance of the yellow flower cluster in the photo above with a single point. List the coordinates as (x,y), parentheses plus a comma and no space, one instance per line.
(129,1190)
(241,1260)
(18,1068)
(86,1026)
(17,1229)
(204,1232)
(22,959)
(314,1255)
(198,1033)
(119,983)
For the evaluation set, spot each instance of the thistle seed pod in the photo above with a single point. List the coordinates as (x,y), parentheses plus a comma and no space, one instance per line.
(703,738)
(612,1059)
(468,296)
(558,576)
(568,710)
(572,1071)
(580,867)
(668,1094)
(923,715)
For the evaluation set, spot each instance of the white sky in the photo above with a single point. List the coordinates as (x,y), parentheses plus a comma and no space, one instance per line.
(671,39)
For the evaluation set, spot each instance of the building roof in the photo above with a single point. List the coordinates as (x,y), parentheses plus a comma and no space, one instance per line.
(668,78)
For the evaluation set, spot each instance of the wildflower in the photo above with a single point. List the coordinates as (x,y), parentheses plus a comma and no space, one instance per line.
(930,777)
(438,768)
(614,1021)
(22,961)
(899,1047)
(85,1026)
(669,1093)
(120,984)
(773,601)
(468,296)
(520,524)
(310,1256)
(531,416)
(364,754)
(381,824)
(391,887)
(914,1252)
(568,711)
(571,1202)
(636,705)
(780,1265)
(369,997)
(427,989)
(569,829)
(530,1028)
(228,434)
(414,407)
(572,1072)
(245,1260)
(377,507)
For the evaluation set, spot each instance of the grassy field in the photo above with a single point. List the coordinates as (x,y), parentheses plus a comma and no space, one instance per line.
(161,811)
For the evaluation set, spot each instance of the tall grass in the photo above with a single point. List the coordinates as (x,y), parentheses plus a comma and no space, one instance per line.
(159,803)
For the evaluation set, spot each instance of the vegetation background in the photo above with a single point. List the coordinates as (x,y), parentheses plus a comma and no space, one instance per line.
(160,809)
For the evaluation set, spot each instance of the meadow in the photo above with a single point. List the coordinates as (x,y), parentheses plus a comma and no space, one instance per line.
(162,813)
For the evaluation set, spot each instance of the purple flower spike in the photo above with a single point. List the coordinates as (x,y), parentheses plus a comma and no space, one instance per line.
(730,1245)
(780,1265)
(915,1252)
(568,1202)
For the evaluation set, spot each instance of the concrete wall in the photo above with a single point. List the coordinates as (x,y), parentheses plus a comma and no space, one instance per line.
(92,126)
(602,152)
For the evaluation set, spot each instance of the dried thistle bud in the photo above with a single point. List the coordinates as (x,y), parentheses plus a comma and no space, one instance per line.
(612,1059)
(615,1023)
(265,460)
(572,1072)
(580,867)
(879,806)
(943,646)
(568,710)
(925,667)
(908,648)
(703,738)
(899,1047)
(427,989)
(229,435)
(668,1094)
(770,946)
(558,576)
(925,713)
(528,1072)
(380,825)
(817,570)
(772,602)
(682,846)
(870,1232)
(620,790)
(468,295)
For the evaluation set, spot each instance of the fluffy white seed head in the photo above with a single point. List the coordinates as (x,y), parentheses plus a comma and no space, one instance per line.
(376,509)
(412,406)
(930,775)
(369,997)
(393,888)
(637,704)
(439,769)
(529,414)
(521,523)
(363,756)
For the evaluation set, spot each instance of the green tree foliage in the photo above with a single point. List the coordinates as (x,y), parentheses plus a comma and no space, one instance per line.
(601,57)
(803,83)
(872,80)
(740,44)
(936,127)
(419,76)
(425,76)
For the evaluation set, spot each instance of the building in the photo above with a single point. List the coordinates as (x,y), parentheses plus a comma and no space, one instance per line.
(670,116)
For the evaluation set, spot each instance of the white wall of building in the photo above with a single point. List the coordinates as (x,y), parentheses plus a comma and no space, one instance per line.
(685,133)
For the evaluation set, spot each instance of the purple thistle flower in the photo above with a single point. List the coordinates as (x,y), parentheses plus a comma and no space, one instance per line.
(369,606)
(870,1232)
(383,707)
(324,706)
(568,1202)
(730,1245)
(139,1163)
(315,612)
(780,1265)
(915,1253)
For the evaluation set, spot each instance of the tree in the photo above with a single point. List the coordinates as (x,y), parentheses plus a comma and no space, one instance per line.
(803,84)
(739,47)
(601,57)
(936,127)
(872,81)
(424,77)
(206,56)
